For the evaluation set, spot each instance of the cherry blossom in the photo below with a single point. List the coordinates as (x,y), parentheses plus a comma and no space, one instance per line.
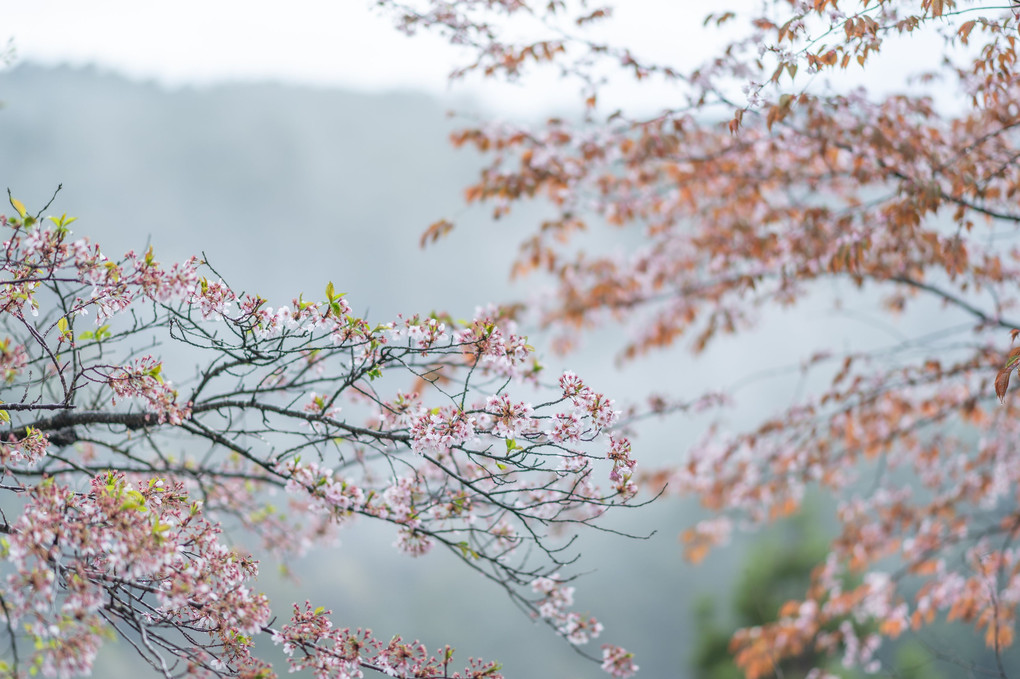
(123,477)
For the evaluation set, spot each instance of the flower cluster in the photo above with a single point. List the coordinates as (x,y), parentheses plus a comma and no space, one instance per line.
(116,286)
(421,333)
(495,345)
(75,555)
(320,405)
(311,642)
(623,466)
(588,403)
(214,298)
(34,251)
(142,379)
(590,416)
(618,662)
(332,317)
(556,599)
(439,430)
(510,419)
(336,496)
(26,451)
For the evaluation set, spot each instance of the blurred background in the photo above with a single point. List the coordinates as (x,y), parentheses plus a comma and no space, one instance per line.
(302,145)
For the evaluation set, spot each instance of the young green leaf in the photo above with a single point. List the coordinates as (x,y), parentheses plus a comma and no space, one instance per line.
(19,206)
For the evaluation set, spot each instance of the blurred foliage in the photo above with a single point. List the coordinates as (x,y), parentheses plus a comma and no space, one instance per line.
(778,569)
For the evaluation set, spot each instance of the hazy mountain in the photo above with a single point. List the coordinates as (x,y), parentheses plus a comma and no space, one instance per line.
(284,188)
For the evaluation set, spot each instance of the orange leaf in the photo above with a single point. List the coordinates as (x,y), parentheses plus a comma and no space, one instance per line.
(436,231)
(891,628)
(789,609)
(965,30)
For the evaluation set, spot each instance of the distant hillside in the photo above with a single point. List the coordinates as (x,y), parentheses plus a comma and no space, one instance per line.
(284,188)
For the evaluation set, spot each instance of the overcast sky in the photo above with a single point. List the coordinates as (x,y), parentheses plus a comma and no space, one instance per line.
(350,44)
(321,42)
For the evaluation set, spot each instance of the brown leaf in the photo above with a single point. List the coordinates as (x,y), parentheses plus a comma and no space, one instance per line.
(1002,378)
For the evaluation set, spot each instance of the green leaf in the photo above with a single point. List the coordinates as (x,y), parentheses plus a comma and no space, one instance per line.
(63,220)
(19,206)
(466,550)
(134,500)
(330,290)
(61,223)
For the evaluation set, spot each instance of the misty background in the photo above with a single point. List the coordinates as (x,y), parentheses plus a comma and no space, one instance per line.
(284,188)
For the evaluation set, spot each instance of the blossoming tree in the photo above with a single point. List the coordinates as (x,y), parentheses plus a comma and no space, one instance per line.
(755,200)
(114,480)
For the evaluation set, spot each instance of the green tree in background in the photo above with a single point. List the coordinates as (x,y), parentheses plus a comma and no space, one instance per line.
(777,570)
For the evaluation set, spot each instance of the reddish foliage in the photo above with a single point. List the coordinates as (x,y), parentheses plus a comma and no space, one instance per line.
(757,201)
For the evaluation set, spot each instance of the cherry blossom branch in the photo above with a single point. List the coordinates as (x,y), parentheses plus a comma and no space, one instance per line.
(268,407)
